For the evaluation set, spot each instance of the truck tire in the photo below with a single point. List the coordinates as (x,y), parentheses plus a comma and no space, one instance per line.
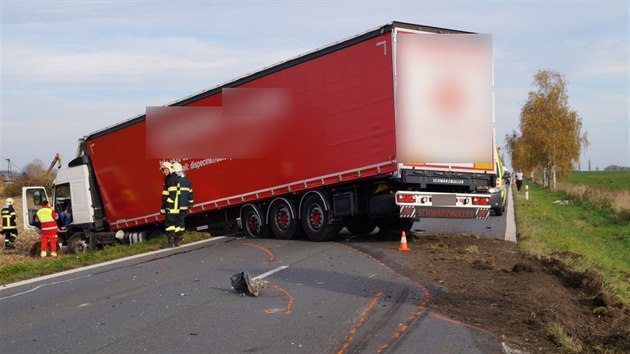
(77,243)
(395,225)
(253,222)
(282,220)
(316,220)
(360,225)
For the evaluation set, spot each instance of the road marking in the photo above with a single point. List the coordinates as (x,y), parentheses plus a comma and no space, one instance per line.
(71,271)
(285,311)
(264,275)
(271,259)
(420,307)
(43,285)
(362,319)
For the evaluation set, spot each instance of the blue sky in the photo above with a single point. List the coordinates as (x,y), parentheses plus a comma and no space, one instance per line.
(73,67)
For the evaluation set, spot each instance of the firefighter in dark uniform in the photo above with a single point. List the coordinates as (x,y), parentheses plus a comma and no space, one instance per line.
(185,201)
(170,203)
(9,226)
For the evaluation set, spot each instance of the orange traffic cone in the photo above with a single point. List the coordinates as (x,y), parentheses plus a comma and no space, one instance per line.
(403,243)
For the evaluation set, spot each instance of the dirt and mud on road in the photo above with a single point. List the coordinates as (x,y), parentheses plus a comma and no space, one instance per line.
(531,305)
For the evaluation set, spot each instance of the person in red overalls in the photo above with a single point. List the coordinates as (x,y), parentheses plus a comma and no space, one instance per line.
(47,218)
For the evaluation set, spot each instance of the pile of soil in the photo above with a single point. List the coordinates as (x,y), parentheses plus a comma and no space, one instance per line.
(530,304)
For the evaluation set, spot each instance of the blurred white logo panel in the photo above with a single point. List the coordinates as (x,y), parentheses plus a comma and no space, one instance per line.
(444,98)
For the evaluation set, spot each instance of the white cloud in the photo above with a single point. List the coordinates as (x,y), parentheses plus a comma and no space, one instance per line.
(135,61)
(599,60)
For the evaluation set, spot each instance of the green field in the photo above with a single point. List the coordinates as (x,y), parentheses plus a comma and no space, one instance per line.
(608,179)
(584,236)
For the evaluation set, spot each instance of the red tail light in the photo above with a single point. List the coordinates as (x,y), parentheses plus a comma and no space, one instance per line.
(481,201)
(406,198)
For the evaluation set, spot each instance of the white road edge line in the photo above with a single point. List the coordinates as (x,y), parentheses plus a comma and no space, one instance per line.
(264,275)
(55,275)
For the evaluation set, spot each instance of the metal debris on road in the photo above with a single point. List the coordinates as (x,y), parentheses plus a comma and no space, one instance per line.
(244,285)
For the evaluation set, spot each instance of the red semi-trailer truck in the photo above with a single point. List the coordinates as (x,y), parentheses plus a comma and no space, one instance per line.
(379,125)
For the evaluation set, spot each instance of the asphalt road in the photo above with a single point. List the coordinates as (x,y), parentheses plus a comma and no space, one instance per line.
(322,298)
(502,227)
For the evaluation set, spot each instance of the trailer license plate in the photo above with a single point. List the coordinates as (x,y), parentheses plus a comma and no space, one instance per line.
(444,200)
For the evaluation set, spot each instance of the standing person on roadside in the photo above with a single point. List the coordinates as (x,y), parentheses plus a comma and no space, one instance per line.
(185,198)
(9,226)
(170,204)
(519,180)
(46,218)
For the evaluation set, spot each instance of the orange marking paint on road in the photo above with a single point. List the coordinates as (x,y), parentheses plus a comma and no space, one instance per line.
(421,306)
(271,259)
(287,311)
(383,347)
(362,319)
(458,323)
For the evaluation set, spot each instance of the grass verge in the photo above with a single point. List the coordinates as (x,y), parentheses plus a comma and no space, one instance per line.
(35,267)
(583,236)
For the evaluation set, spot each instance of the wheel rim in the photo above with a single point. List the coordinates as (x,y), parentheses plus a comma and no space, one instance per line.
(315,218)
(77,245)
(253,223)
(283,218)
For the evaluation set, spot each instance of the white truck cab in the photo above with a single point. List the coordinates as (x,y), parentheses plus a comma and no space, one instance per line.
(72,192)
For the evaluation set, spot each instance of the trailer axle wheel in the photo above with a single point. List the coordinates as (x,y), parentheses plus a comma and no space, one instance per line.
(253,223)
(316,220)
(283,222)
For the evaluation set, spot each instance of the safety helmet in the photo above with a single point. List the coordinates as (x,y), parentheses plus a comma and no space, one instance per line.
(9,201)
(177,167)
(166,165)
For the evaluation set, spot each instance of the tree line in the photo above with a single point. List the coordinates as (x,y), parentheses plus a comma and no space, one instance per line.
(33,174)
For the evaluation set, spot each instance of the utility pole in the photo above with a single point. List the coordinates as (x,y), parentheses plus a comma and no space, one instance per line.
(9,170)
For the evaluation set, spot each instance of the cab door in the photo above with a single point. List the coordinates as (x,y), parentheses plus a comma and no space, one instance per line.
(32,198)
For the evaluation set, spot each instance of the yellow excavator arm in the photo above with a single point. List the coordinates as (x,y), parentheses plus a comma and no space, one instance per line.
(57,160)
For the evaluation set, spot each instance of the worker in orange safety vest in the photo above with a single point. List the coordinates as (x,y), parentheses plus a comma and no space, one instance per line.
(47,218)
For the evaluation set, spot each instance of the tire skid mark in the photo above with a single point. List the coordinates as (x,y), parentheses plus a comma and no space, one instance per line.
(421,307)
(272,257)
(362,320)
(289,306)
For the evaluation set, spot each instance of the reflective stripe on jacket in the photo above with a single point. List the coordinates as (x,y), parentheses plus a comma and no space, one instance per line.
(170,197)
(8,218)
(47,218)
(185,193)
